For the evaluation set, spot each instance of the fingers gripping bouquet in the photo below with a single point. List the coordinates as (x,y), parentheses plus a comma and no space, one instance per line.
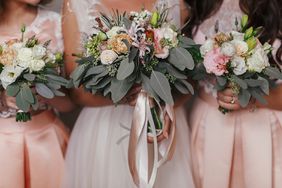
(238,60)
(29,70)
(138,48)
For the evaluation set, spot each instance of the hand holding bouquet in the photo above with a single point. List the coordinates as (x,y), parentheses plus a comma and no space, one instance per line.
(28,69)
(141,48)
(239,60)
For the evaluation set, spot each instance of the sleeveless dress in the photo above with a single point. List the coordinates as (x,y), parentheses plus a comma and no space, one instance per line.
(241,149)
(32,153)
(98,148)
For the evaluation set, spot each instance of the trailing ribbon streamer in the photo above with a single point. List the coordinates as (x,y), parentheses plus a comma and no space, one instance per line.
(138,146)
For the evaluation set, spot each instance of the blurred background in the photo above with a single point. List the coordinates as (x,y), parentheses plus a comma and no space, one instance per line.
(56,5)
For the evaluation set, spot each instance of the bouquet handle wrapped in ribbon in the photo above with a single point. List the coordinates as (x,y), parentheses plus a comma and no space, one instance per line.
(138,146)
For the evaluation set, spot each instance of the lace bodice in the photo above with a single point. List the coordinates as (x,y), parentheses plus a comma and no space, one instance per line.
(86,12)
(46,26)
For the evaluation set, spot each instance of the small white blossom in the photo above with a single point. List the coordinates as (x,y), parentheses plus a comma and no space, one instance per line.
(258,61)
(10,74)
(114,31)
(39,52)
(239,66)
(206,47)
(108,57)
(36,65)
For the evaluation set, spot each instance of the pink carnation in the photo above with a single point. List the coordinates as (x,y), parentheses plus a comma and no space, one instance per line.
(215,62)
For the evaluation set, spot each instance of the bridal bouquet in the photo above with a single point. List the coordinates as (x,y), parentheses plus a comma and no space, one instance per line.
(238,59)
(137,48)
(28,69)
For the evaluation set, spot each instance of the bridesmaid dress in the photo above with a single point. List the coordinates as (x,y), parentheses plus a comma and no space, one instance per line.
(32,153)
(242,149)
(98,147)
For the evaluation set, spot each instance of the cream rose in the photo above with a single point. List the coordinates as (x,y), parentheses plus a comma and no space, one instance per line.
(258,61)
(25,54)
(228,49)
(239,65)
(240,46)
(39,52)
(108,57)
(36,65)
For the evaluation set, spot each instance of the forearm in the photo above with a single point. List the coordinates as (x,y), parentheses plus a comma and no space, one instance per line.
(62,104)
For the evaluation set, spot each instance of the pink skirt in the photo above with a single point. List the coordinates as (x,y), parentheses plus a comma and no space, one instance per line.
(32,153)
(238,150)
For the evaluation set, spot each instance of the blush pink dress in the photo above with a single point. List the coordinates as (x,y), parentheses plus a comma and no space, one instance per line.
(32,153)
(242,149)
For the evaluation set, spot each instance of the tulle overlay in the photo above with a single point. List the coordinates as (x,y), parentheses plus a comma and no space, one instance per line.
(32,152)
(240,149)
(97,156)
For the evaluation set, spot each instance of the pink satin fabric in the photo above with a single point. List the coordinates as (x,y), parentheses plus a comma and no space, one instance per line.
(32,153)
(238,150)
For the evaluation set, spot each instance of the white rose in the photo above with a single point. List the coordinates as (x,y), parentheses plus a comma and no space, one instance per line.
(10,74)
(36,65)
(239,65)
(108,57)
(24,54)
(39,52)
(206,47)
(17,46)
(240,46)
(228,49)
(237,35)
(114,31)
(258,61)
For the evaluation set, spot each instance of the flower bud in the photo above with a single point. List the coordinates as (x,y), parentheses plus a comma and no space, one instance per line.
(249,33)
(155,19)
(244,21)
(102,36)
(59,57)
(252,43)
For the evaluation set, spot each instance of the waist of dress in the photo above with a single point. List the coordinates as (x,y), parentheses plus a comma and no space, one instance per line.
(38,121)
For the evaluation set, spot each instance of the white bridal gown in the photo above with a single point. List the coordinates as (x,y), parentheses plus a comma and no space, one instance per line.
(97,153)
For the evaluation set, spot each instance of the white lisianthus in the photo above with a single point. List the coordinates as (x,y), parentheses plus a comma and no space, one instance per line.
(10,74)
(24,54)
(114,31)
(240,46)
(206,47)
(237,35)
(228,49)
(239,66)
(108,57)
(36,65)
(258,61)
(39,51)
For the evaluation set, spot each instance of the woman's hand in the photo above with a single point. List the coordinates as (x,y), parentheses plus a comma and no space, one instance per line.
(166,130)
(7,101)
(228,100)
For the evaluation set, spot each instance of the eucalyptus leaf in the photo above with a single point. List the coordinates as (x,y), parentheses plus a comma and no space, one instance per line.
(119,89)
(57,79)
(21,103)
(148,88)
(174,72)
(29,77)
(264,85)
(125,69)
(188,86)
(12,90)
(44,91)
(58,93)
(273,72)
(222,81)
(258,94)
(181,88)
(240,82)
(77,74)
(95,70)
(181,58)
(161,86)
(244,97)
(27,94)
(185,42)
(132,54)
(127,23)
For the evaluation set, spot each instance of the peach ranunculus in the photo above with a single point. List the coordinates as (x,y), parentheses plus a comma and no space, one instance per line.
(215,62)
